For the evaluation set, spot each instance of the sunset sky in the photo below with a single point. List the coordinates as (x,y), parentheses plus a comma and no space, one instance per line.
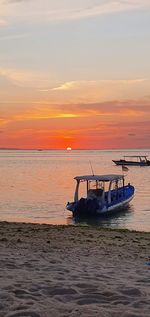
(75,73)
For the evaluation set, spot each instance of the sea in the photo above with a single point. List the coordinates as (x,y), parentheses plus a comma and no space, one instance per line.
(35,186)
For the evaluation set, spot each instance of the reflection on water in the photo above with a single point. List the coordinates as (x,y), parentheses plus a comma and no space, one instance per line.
(36,185)
(113,220)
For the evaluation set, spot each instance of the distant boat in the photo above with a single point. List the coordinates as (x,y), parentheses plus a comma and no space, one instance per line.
(135,160)
(104,194)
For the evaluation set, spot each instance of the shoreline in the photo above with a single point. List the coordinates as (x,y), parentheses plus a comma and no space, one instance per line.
(59,270)
(78,225)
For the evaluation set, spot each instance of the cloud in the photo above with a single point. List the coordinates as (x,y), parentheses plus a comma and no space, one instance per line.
(66,86)
(119,111)
(25,78)
(52,10)
(109,7)
(4,121)
(40,87)
(131,134)
(77,84)
(14,75)
(91,91)
(108,124)
(3,23)
(16,1)
(13,36)
(42,81)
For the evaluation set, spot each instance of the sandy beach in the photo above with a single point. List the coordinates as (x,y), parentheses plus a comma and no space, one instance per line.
(73,271)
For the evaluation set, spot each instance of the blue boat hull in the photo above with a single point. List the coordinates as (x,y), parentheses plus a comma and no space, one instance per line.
(93,207)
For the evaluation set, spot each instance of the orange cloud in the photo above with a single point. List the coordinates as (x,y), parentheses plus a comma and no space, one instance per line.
(98,125)
(107,110)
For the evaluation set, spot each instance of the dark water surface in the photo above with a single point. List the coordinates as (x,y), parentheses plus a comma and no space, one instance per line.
(36,185)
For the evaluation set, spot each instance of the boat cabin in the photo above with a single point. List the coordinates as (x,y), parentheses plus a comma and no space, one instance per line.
(101,187)
(138,158)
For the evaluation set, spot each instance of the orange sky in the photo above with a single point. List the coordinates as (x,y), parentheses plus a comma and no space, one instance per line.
(117,124)
(75,74)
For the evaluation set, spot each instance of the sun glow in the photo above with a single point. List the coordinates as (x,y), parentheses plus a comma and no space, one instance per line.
(68,148)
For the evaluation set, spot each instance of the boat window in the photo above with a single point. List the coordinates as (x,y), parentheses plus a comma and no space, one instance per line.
(117,184)
(142,159)
(95,193)
(82,190)
(107,186)
(96,185)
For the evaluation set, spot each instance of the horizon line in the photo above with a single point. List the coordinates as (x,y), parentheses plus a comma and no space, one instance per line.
(73,149)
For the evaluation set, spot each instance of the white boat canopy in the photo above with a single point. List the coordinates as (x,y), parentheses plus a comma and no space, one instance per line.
(103,178)
(137,156)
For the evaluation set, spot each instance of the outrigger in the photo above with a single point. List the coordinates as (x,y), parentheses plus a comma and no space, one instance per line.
(104,194)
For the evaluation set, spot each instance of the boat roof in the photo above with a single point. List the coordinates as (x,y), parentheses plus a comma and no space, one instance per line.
(104,178)
(135,156)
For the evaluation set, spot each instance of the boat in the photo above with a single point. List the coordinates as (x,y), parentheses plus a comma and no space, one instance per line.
(135,160)
(103,194)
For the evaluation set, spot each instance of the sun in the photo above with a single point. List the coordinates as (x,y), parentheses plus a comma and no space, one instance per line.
(68,148)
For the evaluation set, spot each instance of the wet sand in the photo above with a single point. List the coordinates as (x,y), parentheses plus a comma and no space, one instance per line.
(73,271)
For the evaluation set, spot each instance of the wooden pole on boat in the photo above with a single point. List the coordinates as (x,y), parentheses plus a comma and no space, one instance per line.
(91,168)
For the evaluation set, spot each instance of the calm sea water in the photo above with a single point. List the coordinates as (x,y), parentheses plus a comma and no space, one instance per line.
(36,185)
